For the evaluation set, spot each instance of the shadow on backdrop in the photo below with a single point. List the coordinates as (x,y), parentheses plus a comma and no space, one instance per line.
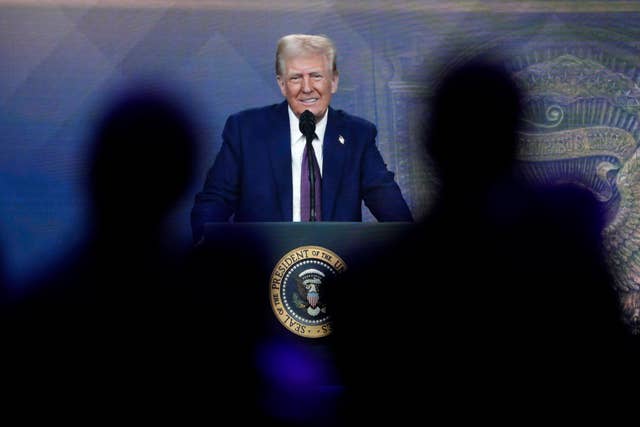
(502,289)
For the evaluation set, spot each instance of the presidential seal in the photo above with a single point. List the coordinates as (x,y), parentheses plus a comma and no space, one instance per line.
(298,283)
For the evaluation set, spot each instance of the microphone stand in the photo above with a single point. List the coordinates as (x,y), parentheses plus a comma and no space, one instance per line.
(308,127)
(312,178)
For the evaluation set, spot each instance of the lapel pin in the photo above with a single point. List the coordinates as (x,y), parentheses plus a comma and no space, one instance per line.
(341,139)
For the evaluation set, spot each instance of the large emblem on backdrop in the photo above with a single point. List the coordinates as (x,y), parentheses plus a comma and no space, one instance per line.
(298,287)
(582,126)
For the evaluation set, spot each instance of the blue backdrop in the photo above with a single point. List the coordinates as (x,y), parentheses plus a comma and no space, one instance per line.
(62,64)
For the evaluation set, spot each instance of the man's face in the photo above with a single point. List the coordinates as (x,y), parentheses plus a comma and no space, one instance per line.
(308,83)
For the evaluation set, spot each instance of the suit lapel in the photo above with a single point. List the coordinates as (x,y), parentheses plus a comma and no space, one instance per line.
(279,140)
(333,158)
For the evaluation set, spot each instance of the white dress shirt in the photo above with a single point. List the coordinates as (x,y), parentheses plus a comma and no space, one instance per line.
(298,142)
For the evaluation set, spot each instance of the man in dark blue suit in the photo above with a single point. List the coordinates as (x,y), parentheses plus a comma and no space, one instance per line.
(258,173)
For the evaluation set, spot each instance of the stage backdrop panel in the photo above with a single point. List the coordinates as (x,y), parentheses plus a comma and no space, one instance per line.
(63,64)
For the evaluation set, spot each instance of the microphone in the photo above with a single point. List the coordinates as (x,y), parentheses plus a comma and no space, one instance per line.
(308,129)
(308,124)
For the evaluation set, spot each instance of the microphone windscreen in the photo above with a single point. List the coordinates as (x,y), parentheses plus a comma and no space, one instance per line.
(307,123)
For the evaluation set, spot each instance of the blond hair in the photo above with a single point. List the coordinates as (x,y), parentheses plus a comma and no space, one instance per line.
(301,44)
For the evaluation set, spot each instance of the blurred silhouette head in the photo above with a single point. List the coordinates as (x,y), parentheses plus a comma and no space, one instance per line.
(475,113)
(142,161)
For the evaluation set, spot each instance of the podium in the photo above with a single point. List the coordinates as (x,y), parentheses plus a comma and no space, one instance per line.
(292,263)
(273,288)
